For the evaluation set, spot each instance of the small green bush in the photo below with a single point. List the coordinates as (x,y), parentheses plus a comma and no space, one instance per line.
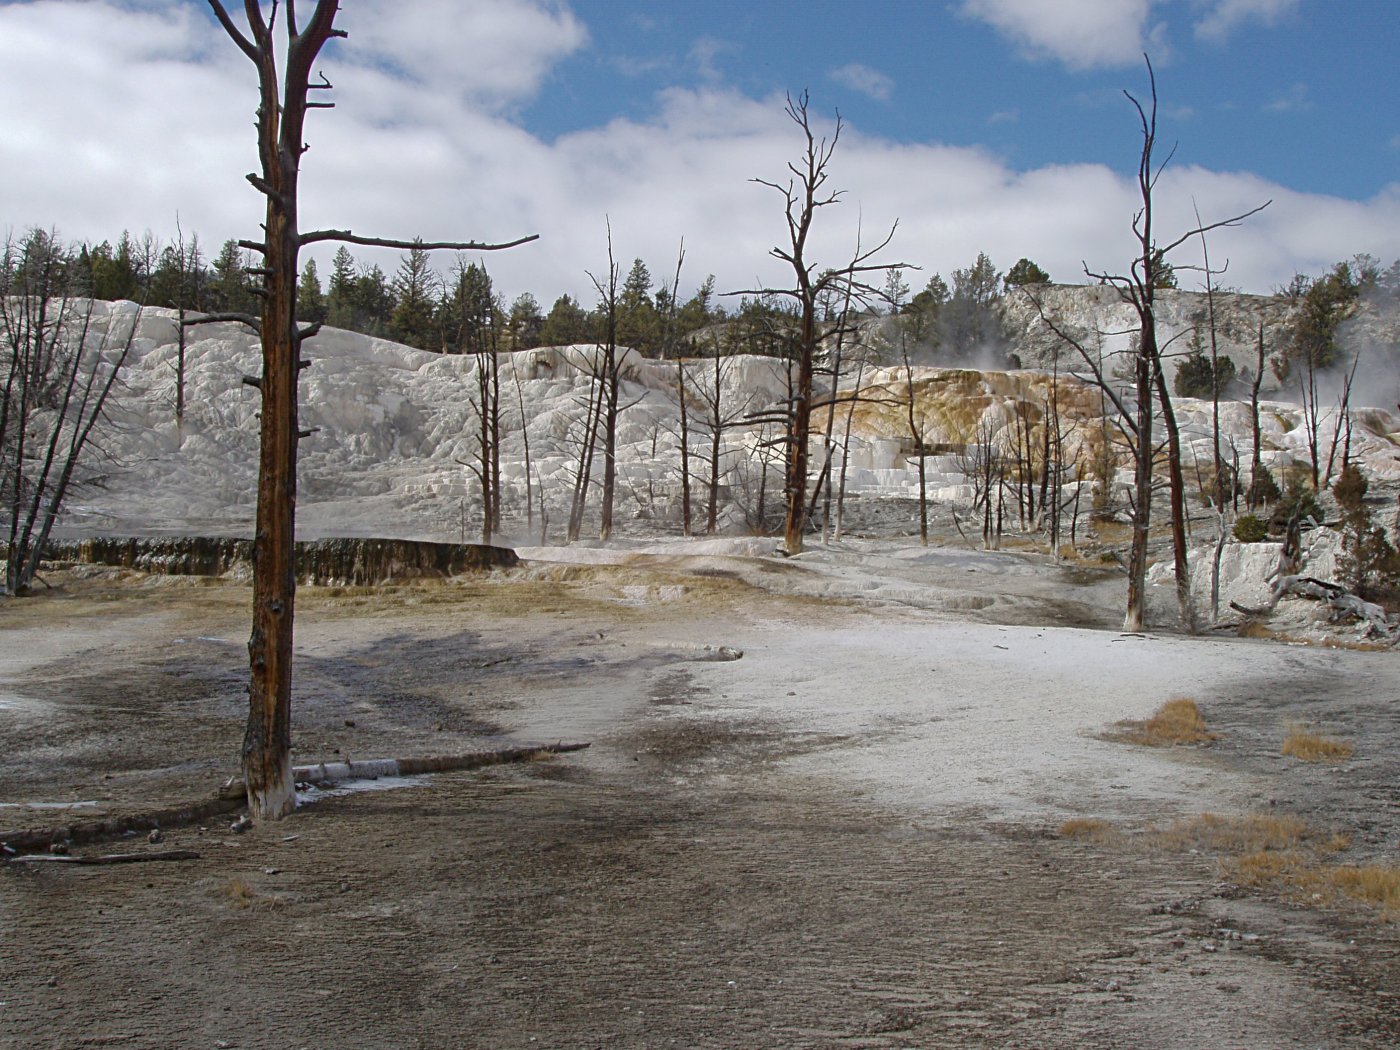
(1250,528)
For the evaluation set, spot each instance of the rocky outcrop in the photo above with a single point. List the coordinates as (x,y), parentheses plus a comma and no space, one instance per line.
(337,561)
(1097,315)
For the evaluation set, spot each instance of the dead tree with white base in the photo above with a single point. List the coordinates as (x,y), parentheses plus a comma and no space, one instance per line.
(283,102)
(1138,289)
(803,195)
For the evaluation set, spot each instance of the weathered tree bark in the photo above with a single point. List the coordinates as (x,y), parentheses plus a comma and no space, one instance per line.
(1256,458)
(1138,289)
(282,106)
(369,769)
(110,858)
(683,399)
(1176,488)
(1339,598)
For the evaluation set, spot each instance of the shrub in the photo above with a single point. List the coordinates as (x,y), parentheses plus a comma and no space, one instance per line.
(1298,503)
(1263,489)
(1250,528)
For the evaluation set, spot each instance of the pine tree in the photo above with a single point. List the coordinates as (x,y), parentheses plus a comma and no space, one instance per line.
(1367,556)
(231,291)
(637,322)
(525,322)
(340,296)
(566,324)
(413,321)
(311,304)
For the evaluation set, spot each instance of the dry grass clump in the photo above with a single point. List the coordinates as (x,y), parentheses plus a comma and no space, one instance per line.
(1251,833)
(1373,883)
(242,894)
(1176,722)
(1281,854)
(1302,876)
(1308,746)
(1090,828)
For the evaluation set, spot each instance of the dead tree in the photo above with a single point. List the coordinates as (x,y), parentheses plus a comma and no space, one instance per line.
(803,195)
(478,323)
(1256,461)
(59,369)
(1138,289)
(608,374)
(281,115)
(716,415)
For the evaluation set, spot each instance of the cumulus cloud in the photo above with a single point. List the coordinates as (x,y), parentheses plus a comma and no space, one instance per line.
(103,137)
(867,81)
(1220,18)
(495,52)
(1083,34)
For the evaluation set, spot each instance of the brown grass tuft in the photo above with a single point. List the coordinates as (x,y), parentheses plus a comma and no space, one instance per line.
(1315,747)
(1303,876)
(239,893)
(242,894)
(1256,629)
(1091,828)
(1373,883)
(1175,722)
(1252,833)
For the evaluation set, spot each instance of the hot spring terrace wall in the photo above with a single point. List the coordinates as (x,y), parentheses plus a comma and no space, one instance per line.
(343,561)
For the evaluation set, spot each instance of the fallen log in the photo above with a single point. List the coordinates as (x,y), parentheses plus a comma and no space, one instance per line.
(1342,601)
(31,840)
(373,768)
(108,858)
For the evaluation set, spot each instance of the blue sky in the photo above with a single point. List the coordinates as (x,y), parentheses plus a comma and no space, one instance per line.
(1305,96)
(977,125)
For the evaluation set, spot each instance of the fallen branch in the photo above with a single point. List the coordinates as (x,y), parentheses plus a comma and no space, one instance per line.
(1342,601)
(108,858)
(232,796)
(31,840)
(369,769)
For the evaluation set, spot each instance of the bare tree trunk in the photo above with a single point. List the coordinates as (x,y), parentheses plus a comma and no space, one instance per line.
(281,117)
(803,195)
(583,479)
(1177,490)
(525,436)
(1256,460)
(684,400)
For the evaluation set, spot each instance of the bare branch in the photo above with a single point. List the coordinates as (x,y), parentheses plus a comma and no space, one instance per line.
(244,44)
(384,242)
(219,318)
(1222,224)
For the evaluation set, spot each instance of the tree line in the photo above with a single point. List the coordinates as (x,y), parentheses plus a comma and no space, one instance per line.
(419,306)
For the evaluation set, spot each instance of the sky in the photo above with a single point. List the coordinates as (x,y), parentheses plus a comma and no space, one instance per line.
(997,126)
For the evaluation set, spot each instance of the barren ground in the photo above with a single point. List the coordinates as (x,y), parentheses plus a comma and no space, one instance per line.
(846,838)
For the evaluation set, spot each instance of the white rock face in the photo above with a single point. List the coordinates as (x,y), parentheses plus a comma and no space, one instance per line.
(395,428)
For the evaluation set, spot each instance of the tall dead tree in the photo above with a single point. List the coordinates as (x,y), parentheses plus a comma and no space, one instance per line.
(803,195)
(282,106)
(607,369)
(1138,288)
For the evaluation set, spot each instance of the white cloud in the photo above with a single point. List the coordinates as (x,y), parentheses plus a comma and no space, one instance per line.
(1222,17)
(705,52)
(1083,34)
(102,137)
(867,81)
(495,52)
(1294,100)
